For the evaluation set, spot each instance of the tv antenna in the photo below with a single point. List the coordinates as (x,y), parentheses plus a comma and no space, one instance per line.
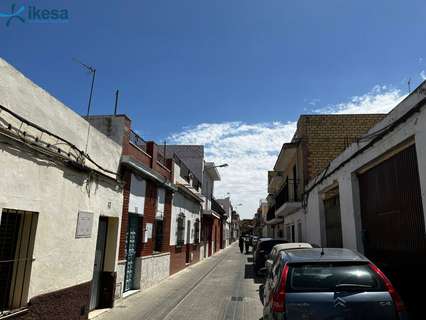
(92,71)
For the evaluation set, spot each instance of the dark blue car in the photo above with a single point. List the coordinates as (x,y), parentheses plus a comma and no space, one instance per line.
(320,284)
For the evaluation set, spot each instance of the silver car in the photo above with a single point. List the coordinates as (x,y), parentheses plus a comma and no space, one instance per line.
(320,284)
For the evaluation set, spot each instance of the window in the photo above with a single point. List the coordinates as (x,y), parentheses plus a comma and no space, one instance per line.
(327,277)
(17,234)
(180,232)
(197,231)
(158,225)
(137,195)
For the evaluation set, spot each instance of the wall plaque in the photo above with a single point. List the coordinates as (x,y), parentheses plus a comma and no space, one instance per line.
(148,232)
(84,224)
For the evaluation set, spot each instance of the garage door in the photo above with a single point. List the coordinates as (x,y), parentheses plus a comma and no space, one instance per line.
(391,209)
(393,225)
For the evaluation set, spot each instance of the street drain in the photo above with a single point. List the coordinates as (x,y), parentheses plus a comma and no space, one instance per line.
(237,298)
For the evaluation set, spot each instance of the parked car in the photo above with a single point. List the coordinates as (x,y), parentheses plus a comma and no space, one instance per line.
(329,284)
(284,246)
(253,240)
(261,252)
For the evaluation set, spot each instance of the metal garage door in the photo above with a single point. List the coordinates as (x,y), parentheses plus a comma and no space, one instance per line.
(393,224)
(391,209)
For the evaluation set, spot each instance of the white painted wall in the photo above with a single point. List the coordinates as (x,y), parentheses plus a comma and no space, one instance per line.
(25,98)
(32,183)
(348,183)
(191,209)
(294,219)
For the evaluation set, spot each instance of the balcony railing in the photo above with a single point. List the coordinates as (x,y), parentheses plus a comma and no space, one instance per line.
(271,213)
(161,158)
(288,193)
(186,174)
(136,140)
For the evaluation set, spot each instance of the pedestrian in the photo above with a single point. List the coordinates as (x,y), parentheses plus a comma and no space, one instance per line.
(247,245)
(241,244)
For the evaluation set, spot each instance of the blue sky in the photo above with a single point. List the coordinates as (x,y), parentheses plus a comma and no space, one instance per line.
(236,65)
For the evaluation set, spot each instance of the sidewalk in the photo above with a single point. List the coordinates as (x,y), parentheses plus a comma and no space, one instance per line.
(216,288)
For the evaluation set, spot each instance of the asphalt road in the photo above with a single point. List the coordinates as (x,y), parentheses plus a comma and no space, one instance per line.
(221,287)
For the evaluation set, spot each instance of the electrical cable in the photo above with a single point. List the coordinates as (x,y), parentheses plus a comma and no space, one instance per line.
(83,154)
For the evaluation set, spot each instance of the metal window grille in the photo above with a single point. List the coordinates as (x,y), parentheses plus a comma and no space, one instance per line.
(17,233)
(180,230)
(197,231)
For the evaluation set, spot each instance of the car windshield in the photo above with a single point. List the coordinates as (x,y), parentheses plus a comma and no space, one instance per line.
(332,277)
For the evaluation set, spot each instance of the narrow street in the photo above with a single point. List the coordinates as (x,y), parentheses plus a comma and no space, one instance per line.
(221,287)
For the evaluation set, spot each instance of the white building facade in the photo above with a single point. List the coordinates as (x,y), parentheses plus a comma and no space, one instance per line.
(372,198)
(185,230)
(60,204)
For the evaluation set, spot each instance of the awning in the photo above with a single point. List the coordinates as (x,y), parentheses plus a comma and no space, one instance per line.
(275,221)
(288,208)
(147,172)
(187,191)
(212,213)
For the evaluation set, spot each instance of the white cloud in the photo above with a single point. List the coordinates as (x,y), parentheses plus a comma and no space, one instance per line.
(423,75)
(379,100)
(252,149)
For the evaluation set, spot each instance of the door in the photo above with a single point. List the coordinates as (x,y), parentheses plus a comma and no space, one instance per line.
(9,230)
(393,224)
(99,262)
(188,241)
(132,239)
(392,210)
(333,223)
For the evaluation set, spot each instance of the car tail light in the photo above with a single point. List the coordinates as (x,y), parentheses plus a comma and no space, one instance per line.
(278,300)
(399,305)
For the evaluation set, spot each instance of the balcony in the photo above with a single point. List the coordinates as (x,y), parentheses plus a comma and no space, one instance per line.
(287,200)
(137,141)
(187,175)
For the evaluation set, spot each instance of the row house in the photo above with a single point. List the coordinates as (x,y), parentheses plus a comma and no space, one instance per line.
(235,226)
(317,141)
(263,210)
(186,218)
(147,176)
(60,206)
(90,212)
(226,204)
(212,214)
(372,198)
